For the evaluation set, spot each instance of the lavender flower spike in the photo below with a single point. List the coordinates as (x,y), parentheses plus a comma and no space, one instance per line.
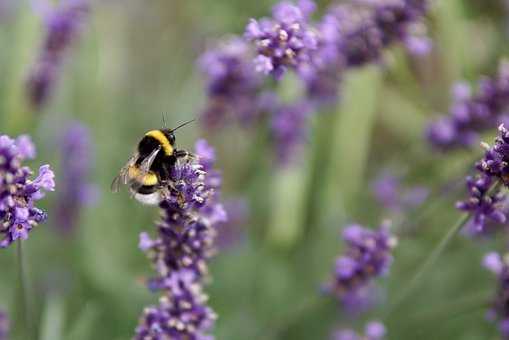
(285,41)
(76,162)
(499,311)
(367,256)
(18,194)
(374,330)
(179,252)
(62,28)
(471,114)
(4,326)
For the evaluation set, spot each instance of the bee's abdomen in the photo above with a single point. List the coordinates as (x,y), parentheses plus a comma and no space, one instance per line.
(146,189)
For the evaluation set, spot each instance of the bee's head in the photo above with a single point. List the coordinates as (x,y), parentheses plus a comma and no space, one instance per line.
(170,133)
(171,137)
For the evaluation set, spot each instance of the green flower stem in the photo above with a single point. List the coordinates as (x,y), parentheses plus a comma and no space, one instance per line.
(23,285)
(429,262)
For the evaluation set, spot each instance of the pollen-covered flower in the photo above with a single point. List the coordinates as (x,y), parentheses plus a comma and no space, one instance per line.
(499,311)
(62,27)
(4,326)
(18,193)
(367,256)
(374,330)
(232,85)
(472,113)
(179,251)
(182,312)
(285,41)
(75,190)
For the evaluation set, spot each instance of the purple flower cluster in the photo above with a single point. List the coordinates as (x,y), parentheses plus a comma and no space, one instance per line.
(393,196)
(488,210)
(179,253)
(487,205)
(232,84)
(320,52)
(4,326)
(471,114)
(76,162)
(367,256)
(62,27)
(374,330)
(285,41)
(500,308)
(18,193)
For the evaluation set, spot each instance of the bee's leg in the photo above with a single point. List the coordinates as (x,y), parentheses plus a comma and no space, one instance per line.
(184,154)
(165,192)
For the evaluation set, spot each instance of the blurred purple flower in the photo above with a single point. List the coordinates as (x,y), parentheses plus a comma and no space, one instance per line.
(353,35)
(18,214)
(392,195)
(76,190)
(471,114)
(374,330)
(184,242)
(290,129)
(63,25)
(361,31)
(500,306)
(4,326)
(285,41)
(232,84)
(230,232)
(367,256)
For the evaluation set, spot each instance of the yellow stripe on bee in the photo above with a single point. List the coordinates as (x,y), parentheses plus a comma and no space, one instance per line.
(161,138)
(148,179)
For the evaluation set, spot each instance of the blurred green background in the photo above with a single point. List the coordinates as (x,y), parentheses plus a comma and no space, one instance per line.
(137,59)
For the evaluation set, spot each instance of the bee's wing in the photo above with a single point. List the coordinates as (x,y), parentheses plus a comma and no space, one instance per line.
(121,178)
(147,162)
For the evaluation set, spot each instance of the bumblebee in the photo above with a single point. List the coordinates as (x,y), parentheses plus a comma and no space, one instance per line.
(148,172)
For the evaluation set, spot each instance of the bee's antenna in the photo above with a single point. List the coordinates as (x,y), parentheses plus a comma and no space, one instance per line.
(164,120)
(182,125)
